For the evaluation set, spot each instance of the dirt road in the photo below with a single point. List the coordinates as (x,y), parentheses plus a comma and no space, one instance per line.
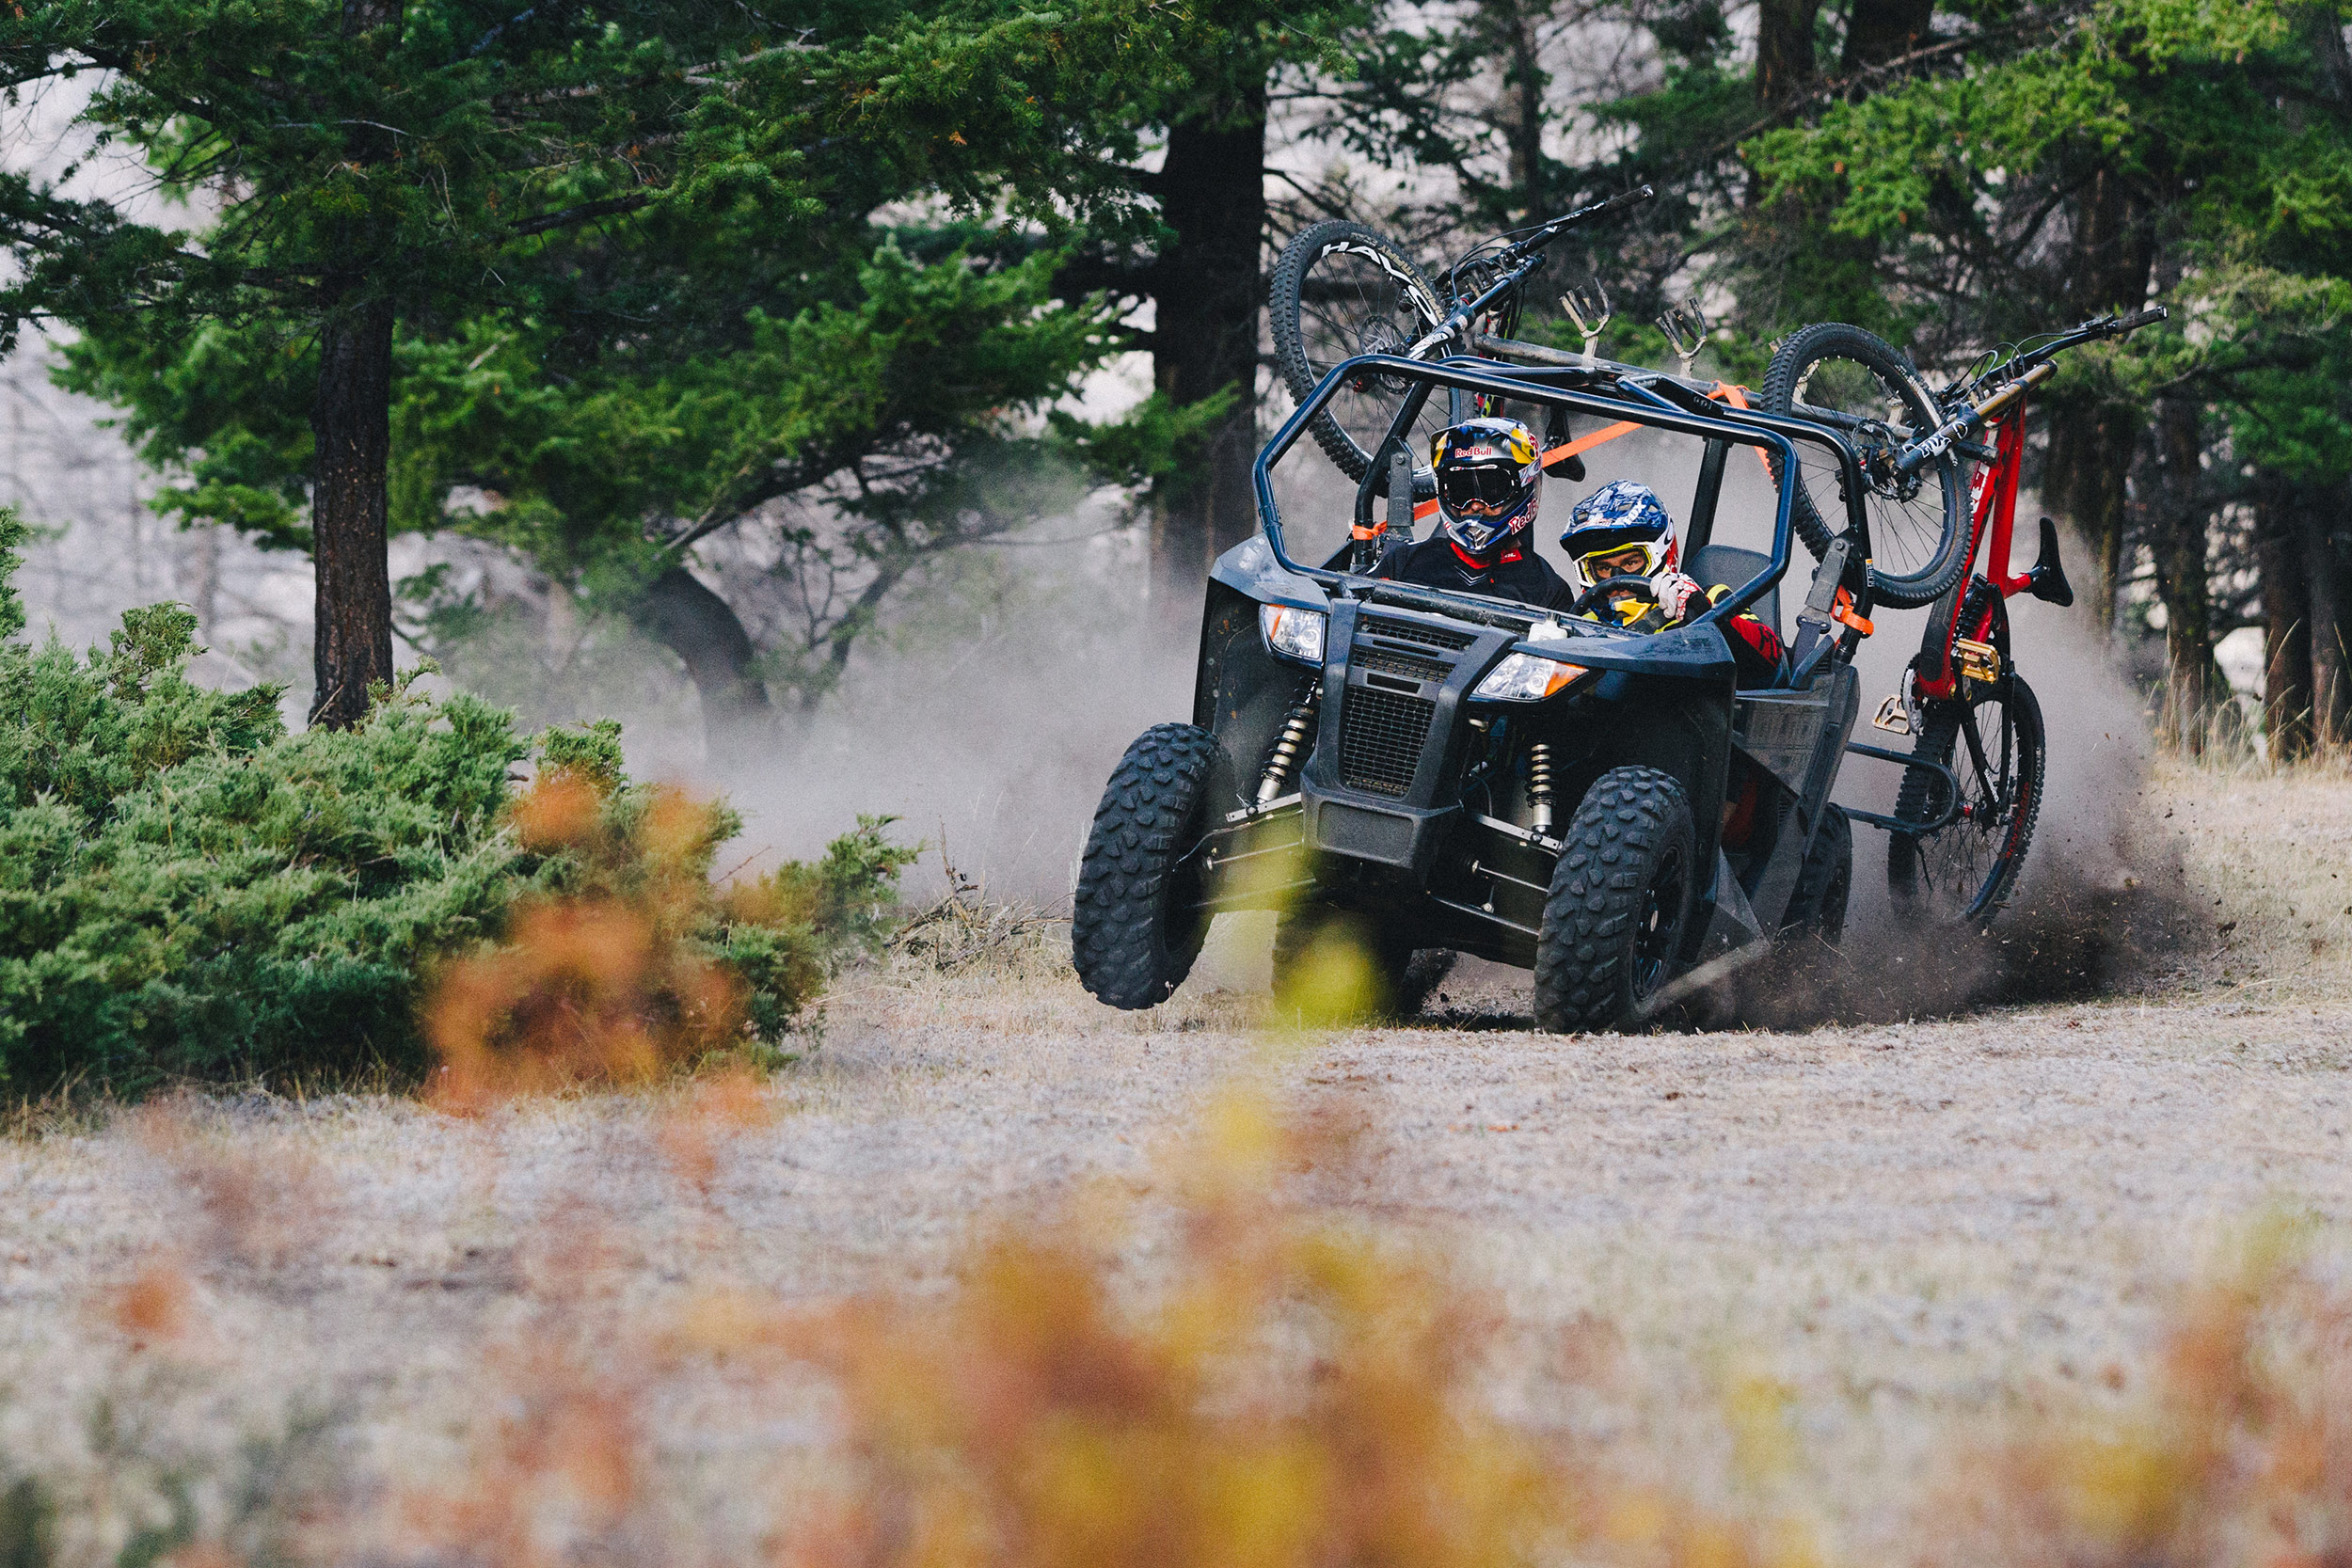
(1903,1232)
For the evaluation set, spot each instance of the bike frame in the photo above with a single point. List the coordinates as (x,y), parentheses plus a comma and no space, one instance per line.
(1992,500)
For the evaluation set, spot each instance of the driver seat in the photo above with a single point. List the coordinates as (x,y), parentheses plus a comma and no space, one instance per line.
(1732,566)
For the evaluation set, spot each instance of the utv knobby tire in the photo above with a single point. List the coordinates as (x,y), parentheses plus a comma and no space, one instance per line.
(1825,882)
(1284,303)
(1407,975)
(1792,363)
(1133,931)
(1620,903)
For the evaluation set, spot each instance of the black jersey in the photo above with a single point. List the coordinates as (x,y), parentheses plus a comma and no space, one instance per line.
(1516,573)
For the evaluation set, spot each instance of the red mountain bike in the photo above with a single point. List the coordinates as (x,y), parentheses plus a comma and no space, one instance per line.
(1963,820)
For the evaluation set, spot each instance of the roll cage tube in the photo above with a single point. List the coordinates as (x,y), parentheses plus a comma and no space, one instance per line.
(1632,402)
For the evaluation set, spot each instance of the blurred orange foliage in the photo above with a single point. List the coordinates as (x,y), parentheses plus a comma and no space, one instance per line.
(602,982)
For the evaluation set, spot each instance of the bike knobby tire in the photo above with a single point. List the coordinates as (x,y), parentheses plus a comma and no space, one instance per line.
(1966,872)
(1869,390)
(1620,903)
(1341,290)
(1135,927)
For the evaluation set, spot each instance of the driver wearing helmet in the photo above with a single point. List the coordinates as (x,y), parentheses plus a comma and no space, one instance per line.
(1490,480)
(1620,541)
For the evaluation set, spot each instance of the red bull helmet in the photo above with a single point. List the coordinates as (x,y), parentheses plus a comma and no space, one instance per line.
(1490,477)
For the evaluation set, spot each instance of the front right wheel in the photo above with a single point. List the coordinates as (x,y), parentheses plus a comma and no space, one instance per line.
(1136,923)
(1620,904)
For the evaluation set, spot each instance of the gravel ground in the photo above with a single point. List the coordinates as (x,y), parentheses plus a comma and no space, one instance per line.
(1910,1233)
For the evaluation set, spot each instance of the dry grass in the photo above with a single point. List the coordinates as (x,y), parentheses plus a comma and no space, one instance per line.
(2271,853)
(955,1290)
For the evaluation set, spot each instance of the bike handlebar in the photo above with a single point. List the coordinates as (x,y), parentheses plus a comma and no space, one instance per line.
(1553,231)
(1519,258)
(2014,377)
(2097,328)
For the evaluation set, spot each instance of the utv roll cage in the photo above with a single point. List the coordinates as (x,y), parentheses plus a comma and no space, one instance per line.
(1612,392)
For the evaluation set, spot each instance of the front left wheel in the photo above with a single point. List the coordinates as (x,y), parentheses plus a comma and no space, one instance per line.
(1137,925)
(1620,904)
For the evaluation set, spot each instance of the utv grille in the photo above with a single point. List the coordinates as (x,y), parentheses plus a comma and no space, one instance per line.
(1381,739)
(1413,632)
(1400,664)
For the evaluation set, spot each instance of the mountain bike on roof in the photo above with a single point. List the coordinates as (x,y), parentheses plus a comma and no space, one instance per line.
(1343,291)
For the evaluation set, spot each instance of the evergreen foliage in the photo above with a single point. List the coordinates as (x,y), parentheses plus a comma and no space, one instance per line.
(188,890)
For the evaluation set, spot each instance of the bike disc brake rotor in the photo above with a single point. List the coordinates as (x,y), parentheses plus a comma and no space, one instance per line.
(1382,335)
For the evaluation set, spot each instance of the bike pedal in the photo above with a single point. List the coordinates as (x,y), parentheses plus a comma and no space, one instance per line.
(1978,661)
(1893,716)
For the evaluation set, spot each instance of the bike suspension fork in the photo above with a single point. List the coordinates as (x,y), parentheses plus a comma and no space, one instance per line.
(1281,763)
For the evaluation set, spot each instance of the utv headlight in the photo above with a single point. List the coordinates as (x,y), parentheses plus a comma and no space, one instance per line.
(1525,679)
(1293,632)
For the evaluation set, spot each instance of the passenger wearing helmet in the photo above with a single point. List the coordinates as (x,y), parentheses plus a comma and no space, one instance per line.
(1490,480)
(1620,541)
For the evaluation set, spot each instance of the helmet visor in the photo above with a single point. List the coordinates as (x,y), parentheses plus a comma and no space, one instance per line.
(1485,490)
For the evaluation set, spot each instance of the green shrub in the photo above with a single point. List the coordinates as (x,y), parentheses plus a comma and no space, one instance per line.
(188,890)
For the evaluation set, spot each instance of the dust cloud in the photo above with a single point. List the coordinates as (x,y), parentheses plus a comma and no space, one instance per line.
(989,739)
(2103,904)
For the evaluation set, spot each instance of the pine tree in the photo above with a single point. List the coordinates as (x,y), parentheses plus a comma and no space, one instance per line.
(365,169)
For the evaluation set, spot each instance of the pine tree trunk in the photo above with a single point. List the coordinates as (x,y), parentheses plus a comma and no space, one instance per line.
(351,422)
(1521,110)
(1785,64)
(1878,30)
(699,627)
(2182,581)
(2324,574)
(2092,448)
(352,436)
(1208,290)
(2286,624)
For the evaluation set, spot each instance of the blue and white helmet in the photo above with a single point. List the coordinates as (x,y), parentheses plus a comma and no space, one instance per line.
(1619,516)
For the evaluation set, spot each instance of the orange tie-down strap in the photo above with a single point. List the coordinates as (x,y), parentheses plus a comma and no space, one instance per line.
(1723,391)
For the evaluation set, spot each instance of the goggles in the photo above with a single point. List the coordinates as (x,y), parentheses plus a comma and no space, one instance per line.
(1591,561)
(1488,489)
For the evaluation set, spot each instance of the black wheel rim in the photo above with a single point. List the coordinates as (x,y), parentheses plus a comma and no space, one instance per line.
(1349,303)
(1908,511)
(1962,871)
(1657,925)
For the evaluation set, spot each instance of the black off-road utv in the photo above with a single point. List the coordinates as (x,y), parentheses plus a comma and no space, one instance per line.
(1447,771)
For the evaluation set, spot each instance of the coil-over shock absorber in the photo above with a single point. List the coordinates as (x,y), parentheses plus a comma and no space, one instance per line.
(1540,797)
(1281,763)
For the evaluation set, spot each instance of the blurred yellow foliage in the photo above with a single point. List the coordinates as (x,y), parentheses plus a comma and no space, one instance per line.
(1285,1391)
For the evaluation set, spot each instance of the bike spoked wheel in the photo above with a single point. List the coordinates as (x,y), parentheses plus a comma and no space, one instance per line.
(1862,386)
(1993,746)
(1341,290)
